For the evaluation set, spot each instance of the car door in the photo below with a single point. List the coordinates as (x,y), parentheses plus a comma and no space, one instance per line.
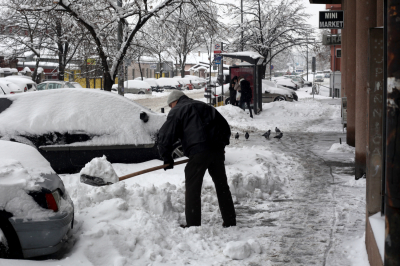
(267,97)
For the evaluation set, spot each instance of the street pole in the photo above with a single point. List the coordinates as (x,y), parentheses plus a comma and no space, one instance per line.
(334,66)
(270,63)
(307,59)
(241,25)
(121,67)
(222,71)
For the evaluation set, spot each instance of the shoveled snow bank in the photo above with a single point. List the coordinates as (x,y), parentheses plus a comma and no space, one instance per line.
(100,167)
(239,250)
(20,167)
(306,115)
(110,118)
(342,148)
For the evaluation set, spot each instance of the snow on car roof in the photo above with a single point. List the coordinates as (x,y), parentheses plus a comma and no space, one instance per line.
(110,118)
(138,84)
(167,81)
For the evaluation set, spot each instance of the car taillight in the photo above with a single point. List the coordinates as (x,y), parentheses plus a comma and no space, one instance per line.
(25,89)
(12,92)
(53,200)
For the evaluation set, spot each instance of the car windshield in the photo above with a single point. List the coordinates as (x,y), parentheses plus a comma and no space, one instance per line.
(41,86)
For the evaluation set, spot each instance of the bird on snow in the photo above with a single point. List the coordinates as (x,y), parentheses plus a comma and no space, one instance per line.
(266,134)
(237,135)
(247,135)
(279,136)
(277,130)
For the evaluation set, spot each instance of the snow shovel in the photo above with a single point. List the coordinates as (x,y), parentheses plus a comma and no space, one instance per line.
(98,181)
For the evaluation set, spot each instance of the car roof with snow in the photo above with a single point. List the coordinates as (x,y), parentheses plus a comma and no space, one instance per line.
(136,84)
(107,118)
(167,81)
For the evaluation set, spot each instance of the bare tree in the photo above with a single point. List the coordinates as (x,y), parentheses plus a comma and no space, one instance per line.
(271,26)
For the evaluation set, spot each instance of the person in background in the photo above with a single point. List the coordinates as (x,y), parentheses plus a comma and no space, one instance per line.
(204,133)
(233,89)
(246,94)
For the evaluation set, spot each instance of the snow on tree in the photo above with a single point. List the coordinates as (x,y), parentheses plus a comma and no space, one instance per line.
(270,26)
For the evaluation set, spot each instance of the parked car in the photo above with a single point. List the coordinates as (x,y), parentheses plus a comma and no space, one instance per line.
(137,87)
(97,123)
(273,92)
(154,85)
(327,75)
(24,82)
(301,82)
(169,84)
(319,78)
(286,82)
(36,212)
(7,87)
(56,84)
(76,85)
(185,83)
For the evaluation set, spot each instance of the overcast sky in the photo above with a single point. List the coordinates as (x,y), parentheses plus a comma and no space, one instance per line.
(313,9)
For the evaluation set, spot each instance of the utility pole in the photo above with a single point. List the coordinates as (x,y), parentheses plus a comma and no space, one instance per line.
(241,25)
(307,58)
(121,67)
(334,66)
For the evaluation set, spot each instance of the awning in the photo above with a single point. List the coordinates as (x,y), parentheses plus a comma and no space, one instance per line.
(248,56)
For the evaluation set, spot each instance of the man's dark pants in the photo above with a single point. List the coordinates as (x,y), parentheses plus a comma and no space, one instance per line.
(213,160)
(248,106)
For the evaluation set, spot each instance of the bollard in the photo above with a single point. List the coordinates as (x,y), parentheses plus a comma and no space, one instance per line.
(162,110)
(340,141)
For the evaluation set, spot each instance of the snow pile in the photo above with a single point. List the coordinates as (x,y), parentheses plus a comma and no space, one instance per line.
(100,167)
(306,115)
(239,250)
(342,148)
(109,118)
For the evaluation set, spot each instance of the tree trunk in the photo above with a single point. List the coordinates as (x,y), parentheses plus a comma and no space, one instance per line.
(34,74)
(108,82)
(140,68)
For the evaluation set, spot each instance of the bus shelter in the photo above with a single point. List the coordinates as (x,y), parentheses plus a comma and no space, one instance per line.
(253,72)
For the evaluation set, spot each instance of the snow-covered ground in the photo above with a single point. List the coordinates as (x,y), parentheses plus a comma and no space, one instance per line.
(296,201)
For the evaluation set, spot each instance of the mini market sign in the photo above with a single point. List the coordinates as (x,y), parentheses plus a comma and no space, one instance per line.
(331,19)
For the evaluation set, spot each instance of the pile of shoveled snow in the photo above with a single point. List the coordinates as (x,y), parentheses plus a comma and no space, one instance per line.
(100,167)
(136,221)
(306,115)
(110,118)
(342,148)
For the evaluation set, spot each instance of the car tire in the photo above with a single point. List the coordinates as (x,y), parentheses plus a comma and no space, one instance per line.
(227,101)
(177,152)
(140,92)
(14,247)
(279,99)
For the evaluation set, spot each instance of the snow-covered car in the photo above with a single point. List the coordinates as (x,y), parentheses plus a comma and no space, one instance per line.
(76,85)
(137,87)
(273,92)
(186,84)
(7,87)
(301,82)
(169,84)
(286,82)
(36,212)
(154,85)
(25,83)
(56,84)
(114,87)
(319,78)
(70,127)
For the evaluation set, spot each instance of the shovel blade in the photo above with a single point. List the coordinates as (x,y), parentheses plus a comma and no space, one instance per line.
(93,181)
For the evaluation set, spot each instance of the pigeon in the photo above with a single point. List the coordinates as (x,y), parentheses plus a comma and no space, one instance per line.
(247,135)
(277,130)
(237,135)
(279,136)
(266,134)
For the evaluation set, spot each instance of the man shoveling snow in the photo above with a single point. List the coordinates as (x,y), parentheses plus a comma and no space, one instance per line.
(204,133)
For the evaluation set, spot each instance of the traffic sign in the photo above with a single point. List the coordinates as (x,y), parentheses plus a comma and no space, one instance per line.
(217,59)
(272,67)
(217,48)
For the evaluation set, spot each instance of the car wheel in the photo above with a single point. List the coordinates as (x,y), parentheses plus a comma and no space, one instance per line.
(227,101)
(140,92)
(279,99)
(13,248)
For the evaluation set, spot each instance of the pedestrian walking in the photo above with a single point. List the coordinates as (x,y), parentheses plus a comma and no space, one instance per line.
(233,89)
(246,94)
(204,133)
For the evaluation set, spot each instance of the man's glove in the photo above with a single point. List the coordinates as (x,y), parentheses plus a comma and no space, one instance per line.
(170,161)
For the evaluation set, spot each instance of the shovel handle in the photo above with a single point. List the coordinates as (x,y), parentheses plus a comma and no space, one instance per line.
(151,170)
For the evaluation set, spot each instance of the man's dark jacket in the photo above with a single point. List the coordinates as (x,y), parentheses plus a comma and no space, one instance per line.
(200,127)
(245,91)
